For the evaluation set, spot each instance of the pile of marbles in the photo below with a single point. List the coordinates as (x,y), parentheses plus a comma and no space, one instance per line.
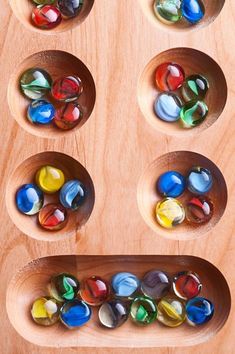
(173,11)
(170,300)
(50,180)
(48,14)
(198,209)
(181,98)
(65,91)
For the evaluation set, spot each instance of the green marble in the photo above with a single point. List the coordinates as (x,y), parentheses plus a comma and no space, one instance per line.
(193,113)
(35,83)
(143,310)
(168,11)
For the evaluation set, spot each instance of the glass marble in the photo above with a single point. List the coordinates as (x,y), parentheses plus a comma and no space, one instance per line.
(195,87)
(35,83)
(199,180)
(167,107)
(168,11)
(44,2)
(113,314)
(186,285)
(64,286)
(29,199)
(143,310)
(40,112)
(199,311)
(70,8)
(193,113)
(169,213)
(193,10)
(124,284)
(53,217)
(45,311)
(49,179)
(67,88)
(199,210)
(171,311)
(171,184)
(156,284)
(75,313)
(69,116)
(94,290)
(72,194)
(46,17)
(169,76)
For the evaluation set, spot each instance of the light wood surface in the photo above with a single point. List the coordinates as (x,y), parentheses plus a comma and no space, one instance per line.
(117,145)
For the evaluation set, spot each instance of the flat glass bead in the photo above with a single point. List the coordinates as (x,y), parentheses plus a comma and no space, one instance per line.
(199,210)
(75,313)
(167,107)
(53,217)
(35,83)
(171,311)
(70,8)
(69,116)
(45,311)
(193,10)
(186,285)
(199,311)
(94,290)
(113,314)
(67,88)
(195,87)
(199,180)
(124,284)
(143,310)
(49,179)
(46,16)
(193,113)
(155,284)
(29,199)
(44,2)
(40,112)
(171,184)
(72,194)
(168,11)
(170,212)
(63,286)
(169,76)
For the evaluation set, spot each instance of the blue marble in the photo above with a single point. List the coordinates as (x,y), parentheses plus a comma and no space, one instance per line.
(125,284)
(72,194)
(40,112)
(193,10)
(199,311)
(171,184)
(167,107)
(75,313)
(199,180)
(29,199)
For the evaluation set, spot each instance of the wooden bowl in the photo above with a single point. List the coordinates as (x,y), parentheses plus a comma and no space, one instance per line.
(25,173)
(193,62)
(58,64)
(23,11)
(31,282)
(181,161)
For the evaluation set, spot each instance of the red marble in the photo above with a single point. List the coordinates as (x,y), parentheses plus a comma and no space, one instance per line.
(46,17)
(94,290)
(53,217)
(68,116)
(67,88)
(169,76)
(186,285)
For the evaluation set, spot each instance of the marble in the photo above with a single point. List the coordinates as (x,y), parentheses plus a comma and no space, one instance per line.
(168,11)
(169,76)
(49,179)
(94,290)
(70,8)
(67,89)
(113,314)
(199,180)
(171,311)
(195,87)
(193,10)
(193,113)
(156,284)
(186,285)
(171,184)
(29,199)
(75,313)
(124,284)
(199,311)
(199,209)
(68,116)
(35,83)
(53,217)
(73,194)
(40,112)
(63,286)
(44,2)
(143,310)
(167,107)
(45,311)
(169,213)
(46,17)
